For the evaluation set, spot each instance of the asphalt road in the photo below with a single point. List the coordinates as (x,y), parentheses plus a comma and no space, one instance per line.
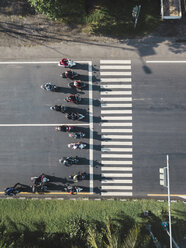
(158,127)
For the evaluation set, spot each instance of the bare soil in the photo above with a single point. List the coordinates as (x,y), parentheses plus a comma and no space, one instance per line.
(21,26)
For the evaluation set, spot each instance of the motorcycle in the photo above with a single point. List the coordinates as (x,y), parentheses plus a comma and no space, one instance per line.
(69,160)
(66,63)
(79,176)
(59,108)
(78,135)
(73,98)
(69,74)
(78,145)
(77,84)
(65,128)
(49,87)
(74,116)
(72,189)
(39,183)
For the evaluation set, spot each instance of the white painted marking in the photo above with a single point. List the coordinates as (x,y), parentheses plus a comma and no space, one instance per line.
(115,61)
(110,149)
(116,92)
(116,118)
(42,125)
(35,62)
(91,172)
(115,73)
(114,111)
(116,175)
(122,80)
(116,181)
(116,143)
(108,136)
(103,155)
(116,193)
(117,99)
(116,162)
(109,124)
(116,130)
(166,61)
(117,86)
(116,105)
(114,187)
(115,67)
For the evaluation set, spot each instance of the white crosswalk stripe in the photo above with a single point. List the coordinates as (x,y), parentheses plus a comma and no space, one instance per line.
(105,155)
(110,136)
(116,86)
(116,138)
(115,67)
(116,80)
(116,112)
(116,162)
(119,118)
(116,105)
(116,92)
(116,181)
(111,149)
(118,124)
(115,62)
(116,168)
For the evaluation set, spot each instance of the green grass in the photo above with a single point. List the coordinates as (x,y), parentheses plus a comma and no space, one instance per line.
(71,219)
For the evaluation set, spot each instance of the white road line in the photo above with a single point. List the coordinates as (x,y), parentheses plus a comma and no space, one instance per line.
(36,62)
(116,118)
(116,193)
(122,80)
(115,61)
(116,181)
(110,136)
(116,112)
(109,124)
(103,155)
(115,73)
(91,172)
(116,99)
(116,175)
(117,86)
(119,92)
(116,162)
(27,62)
(116,130)
(115,67)
(104,168)
(116,143)
(43,125)
(116,105)
(110,149)
(166,61)
(115,187)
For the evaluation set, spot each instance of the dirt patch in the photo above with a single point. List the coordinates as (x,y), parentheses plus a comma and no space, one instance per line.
(21,26)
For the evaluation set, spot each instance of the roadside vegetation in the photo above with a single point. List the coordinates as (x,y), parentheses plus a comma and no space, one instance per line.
(102,17)
(87,224)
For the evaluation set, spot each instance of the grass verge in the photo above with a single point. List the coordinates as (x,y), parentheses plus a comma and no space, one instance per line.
(72,219)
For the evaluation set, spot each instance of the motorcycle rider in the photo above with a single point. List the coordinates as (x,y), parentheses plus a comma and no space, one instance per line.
(64,61)
(77,83)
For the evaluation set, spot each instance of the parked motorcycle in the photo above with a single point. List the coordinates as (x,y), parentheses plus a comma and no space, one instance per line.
(74,116)
(65,128)
(66,63)
(59,108)
(69,160)
(78,145)
(69,74)
(73,99)
(49,87)
(77,135)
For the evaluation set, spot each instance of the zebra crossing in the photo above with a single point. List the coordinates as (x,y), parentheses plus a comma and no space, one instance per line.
(116,128)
